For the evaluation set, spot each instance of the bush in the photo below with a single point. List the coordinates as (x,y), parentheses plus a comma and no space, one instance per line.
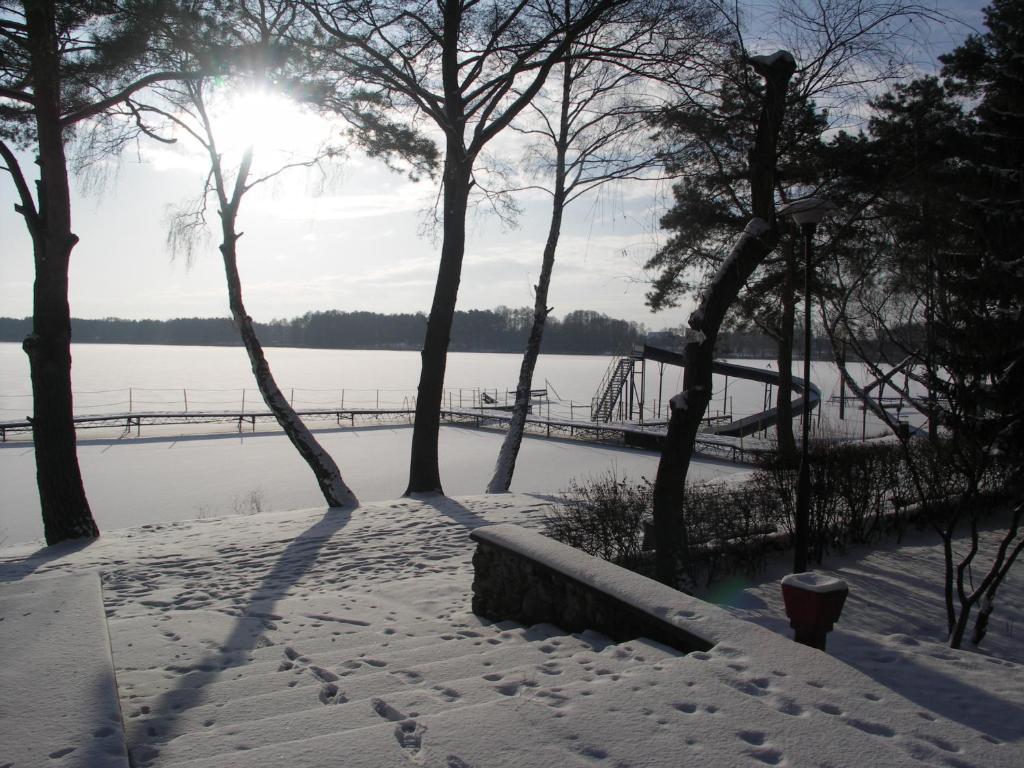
(727,526)
(859,494)
(855,490)
(728,529)
(602,516)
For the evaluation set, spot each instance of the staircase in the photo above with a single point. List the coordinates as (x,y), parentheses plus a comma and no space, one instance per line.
(602,405)
(358,699)
(59,700)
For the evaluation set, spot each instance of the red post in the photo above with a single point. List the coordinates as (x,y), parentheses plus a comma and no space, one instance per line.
(813,604)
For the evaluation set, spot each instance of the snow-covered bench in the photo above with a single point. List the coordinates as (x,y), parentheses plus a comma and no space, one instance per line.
(59,704)
(525,577)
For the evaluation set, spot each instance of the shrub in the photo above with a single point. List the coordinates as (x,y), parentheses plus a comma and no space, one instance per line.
(855,491)
(728,529)
(859,494)
(603,516)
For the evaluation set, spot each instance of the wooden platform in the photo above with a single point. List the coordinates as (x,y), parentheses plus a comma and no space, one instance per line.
(648,437)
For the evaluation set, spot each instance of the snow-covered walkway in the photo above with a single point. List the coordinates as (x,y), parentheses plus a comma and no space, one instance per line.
(313,639)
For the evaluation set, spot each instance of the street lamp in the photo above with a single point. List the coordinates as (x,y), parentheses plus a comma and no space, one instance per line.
(807,213)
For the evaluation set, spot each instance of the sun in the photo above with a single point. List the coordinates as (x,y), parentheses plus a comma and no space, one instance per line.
(268,121)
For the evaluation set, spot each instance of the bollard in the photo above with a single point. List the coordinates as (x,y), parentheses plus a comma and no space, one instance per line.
(813,604)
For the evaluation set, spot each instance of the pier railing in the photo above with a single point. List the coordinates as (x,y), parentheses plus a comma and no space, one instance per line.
(130,408)
(245,399)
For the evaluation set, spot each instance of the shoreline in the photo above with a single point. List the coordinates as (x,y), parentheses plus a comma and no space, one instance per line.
(131,481)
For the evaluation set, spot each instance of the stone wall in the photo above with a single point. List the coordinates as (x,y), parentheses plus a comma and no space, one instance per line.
(511,584)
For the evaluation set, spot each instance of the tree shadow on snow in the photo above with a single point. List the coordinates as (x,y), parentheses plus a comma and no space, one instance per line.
(453,510)
(935,691)
(948,695)
(297,558)
(15,569)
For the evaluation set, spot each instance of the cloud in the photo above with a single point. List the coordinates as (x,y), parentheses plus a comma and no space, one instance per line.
(163,158)
(420,270)
(405,199)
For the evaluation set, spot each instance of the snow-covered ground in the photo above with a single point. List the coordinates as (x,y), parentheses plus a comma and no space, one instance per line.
(307,638)
(164,475)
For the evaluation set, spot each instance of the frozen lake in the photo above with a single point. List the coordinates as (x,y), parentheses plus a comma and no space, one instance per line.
(114,378)
(110,377)
(169,476)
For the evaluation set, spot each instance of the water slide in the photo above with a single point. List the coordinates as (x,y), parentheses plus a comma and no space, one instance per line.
(756,422)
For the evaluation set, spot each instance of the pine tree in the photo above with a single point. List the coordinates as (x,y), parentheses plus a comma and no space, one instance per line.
(935,271)
(713,202)
(61,64)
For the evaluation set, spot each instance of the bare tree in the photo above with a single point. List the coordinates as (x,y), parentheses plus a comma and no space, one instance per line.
(873,315)
(591,131)
(928,296)
(253,43)
(469,67)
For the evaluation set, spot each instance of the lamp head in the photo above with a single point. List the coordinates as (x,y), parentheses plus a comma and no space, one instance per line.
(810,210)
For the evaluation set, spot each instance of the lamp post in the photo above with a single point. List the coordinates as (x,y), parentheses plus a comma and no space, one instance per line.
(807,213)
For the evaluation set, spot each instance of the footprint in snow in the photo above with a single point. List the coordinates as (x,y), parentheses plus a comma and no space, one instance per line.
(788,706)
(875,729)
(755,738)
(407,675)
(323,675)
(942,744)
(508,689)
(408,733)
(766,755)
(329,694)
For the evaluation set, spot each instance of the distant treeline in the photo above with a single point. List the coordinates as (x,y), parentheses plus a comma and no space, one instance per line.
(496,330)
(582,332)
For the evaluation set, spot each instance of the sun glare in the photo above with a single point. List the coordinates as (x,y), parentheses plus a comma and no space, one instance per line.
(270,122)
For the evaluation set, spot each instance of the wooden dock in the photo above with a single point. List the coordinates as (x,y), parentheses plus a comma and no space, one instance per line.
(647,437)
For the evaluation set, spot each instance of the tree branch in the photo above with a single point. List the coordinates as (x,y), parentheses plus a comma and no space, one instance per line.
(27,208)
(96,108)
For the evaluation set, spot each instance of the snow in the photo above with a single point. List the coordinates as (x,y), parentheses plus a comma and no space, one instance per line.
(314,637)
(814,582)
(757,227)
(79,722)
(769,59)
(158,477)
(680,401)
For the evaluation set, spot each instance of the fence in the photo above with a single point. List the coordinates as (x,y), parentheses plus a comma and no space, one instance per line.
(247,400)
(187,400)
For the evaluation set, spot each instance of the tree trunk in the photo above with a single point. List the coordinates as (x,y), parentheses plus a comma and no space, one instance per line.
(328,476)
(424,471)
(506,463)
(981,623)
(956,638)
(947,591)
(65,509)
(784,358)
(688,407)
(757,241)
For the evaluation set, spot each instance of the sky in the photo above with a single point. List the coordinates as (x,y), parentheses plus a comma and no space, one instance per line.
(352,238)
